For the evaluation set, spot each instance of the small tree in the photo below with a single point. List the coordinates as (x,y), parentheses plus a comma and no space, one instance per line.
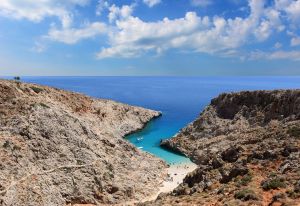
(17,78)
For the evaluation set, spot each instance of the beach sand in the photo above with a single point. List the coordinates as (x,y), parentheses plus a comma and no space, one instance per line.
(177,173)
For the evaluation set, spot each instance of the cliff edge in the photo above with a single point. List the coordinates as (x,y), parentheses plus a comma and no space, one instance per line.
(247,148)
(59,148)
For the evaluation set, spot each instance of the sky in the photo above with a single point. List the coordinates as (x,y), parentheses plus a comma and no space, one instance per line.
(149,37)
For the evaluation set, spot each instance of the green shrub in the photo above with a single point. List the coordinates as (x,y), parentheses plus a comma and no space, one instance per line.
(273,174)
(16,147)
(293,194)
(6,144)
(246,179)
(37,89)
(272,184)
(245,195)
(294,131)
(44,105)
(41,104)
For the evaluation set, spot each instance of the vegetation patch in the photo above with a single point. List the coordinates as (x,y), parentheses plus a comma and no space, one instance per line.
(294,193)
(245,195)
(37,89)
(44,105)
(6,144)
(274,183)
(16,147)
(40,104)
(272,175)
(294,131)
(245,180)
(9,145)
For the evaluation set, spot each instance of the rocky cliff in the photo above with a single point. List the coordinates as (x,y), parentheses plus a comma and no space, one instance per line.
(247,147)
(59,148)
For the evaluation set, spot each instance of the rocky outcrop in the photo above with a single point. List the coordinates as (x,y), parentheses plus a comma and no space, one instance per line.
(247,147)
(59,148)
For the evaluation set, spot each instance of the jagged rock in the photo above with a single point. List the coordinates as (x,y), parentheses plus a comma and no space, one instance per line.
(255,133)
(194,177)
(284,167)
(278,198)
(236,112)
(263,155)
(288,150)
(229,174)
(216,163)
(297,187)
(230,155)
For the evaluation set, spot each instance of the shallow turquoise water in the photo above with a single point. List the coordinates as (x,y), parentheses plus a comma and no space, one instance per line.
(152,134)
(180,99)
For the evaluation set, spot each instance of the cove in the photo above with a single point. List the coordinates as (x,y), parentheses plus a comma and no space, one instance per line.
(180,99)
(152,134)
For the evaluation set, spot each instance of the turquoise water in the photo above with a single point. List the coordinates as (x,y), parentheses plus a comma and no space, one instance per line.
(180,99)
(152,133)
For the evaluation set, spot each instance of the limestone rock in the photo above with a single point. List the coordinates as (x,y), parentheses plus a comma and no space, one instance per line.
(59,147)
(240,140)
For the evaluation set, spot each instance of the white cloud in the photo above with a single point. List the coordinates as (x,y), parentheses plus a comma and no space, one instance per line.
(277,45)
(291,8)
(290,55)
(36,11)
(264,31)
(117,12)
(274,18)
(295,41)
(201,3)
(270,22)
(294,10)
(38,47)
(152,3)
(279,4)
(101,6)
(132,36)
(74,35)
(293,55)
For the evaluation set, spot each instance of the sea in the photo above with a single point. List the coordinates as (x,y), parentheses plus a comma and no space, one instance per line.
(180,99)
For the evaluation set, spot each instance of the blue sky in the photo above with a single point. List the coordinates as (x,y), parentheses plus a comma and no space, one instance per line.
(150,37)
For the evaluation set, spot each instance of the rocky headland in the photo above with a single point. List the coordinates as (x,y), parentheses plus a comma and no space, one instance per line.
(247,148)
(64,148)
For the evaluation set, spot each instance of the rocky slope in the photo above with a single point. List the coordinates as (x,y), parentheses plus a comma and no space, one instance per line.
(247,147)
(59,148)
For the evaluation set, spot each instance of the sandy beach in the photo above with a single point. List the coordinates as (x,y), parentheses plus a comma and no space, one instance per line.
(176,174)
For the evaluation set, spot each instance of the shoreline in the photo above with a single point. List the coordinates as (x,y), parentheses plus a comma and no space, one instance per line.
(176,173)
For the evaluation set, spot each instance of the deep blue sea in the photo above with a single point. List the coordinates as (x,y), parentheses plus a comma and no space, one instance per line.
(180,99)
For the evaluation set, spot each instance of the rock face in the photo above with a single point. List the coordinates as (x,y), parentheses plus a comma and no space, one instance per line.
(59,148)
(247,146)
